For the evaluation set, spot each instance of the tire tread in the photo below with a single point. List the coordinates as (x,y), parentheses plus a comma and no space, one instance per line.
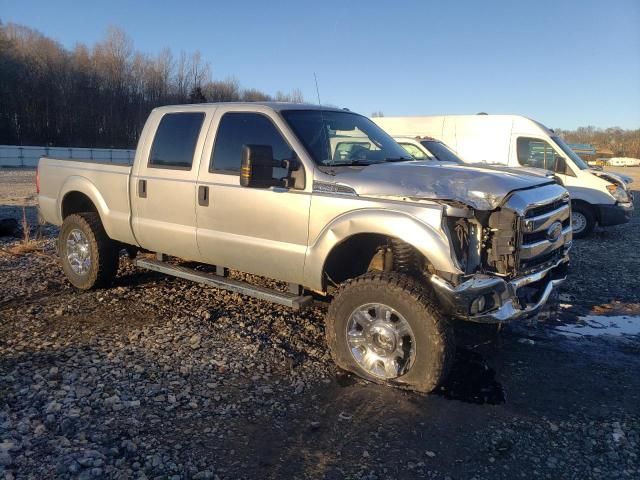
(106,249)
(402,284)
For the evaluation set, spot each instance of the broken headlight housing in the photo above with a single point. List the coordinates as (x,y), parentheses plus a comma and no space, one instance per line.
(619,193)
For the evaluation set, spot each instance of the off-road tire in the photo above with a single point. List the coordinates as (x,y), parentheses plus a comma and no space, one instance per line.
(435,345)
(104,252)
(589,218)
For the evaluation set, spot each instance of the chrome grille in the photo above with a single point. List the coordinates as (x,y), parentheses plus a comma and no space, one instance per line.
(545,230)
(544,226)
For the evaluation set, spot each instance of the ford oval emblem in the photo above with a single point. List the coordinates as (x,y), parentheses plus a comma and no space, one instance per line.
(554,231)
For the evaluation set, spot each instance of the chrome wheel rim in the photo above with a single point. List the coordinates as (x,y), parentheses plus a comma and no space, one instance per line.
(578,222)
(381,341)
(78,252)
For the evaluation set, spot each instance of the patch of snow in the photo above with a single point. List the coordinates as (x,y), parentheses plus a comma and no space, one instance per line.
(595,325)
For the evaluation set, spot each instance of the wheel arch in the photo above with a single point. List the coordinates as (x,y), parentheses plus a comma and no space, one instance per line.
(369,227)
(77,195)
(584,204)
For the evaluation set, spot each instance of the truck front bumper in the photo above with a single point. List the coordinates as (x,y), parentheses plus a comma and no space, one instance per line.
(614,214)
(489,299)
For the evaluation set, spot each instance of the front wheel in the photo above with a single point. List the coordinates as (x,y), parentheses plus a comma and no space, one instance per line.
(582,220)
(384,328)
(89,257)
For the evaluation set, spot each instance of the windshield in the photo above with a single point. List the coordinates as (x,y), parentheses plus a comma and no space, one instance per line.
(582,165)
(441,151)
(343,138)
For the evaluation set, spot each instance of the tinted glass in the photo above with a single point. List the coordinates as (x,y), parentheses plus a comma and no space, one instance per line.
(323,132)
(345,149)
(239,129)
(175,140)
(533,152)
(441,151)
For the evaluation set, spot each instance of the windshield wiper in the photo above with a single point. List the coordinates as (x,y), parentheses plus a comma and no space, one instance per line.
(349,164)
(398,159)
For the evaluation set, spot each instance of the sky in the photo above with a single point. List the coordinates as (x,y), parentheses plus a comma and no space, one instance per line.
(565,63)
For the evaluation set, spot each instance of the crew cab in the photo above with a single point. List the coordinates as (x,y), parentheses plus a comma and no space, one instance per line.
(323,200)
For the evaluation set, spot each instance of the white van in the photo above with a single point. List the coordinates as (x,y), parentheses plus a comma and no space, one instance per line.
(429,148)
(516,141)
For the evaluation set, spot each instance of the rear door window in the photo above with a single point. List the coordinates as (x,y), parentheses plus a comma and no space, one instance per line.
(175,141)
(239,129)
(533,152)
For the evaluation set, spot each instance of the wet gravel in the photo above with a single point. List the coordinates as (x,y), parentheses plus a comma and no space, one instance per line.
(160,378)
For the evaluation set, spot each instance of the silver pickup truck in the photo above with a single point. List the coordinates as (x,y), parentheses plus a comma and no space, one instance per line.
(325,201)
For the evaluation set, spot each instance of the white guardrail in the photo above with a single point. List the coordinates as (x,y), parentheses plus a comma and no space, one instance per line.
(28,156)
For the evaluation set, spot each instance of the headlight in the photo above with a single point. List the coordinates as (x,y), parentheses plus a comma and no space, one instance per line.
(619,193)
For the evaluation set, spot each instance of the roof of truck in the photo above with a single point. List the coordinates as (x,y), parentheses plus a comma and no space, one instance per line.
(277,106)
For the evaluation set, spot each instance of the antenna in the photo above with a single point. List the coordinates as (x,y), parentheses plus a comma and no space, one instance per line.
(323,127)
(317,89)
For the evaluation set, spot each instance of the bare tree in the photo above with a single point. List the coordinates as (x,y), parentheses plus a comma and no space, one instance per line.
(98,96)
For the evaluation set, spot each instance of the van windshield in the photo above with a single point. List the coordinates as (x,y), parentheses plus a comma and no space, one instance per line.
(335,138)
(581,164)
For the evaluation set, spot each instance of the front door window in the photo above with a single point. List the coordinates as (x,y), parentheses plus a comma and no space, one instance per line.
(533,152)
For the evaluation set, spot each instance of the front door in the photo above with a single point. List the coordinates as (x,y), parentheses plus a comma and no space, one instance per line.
(255,230)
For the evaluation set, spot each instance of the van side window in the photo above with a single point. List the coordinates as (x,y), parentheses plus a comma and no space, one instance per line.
(533,152)
(175,140)
(239,129)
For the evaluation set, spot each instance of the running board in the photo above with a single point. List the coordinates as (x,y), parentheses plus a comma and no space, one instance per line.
(297,302)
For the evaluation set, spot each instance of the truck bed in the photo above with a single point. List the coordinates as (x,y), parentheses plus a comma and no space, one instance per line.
(106,184)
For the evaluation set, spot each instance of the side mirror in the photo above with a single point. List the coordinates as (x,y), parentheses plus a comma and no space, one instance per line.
(256,168)
(560,165)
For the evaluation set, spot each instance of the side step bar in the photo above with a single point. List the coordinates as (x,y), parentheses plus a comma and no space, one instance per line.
(296,302)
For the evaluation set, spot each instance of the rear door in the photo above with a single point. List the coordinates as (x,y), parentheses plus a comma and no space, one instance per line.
(163,187)
(256,230)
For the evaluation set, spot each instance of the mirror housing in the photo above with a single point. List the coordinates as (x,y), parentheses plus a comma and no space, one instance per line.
(256,167)
(257,164)
(560,165)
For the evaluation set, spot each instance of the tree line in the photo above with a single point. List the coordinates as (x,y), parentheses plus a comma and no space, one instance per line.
(609,142)
(98,96)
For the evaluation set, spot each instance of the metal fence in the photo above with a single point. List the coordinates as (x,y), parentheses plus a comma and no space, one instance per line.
(27,156)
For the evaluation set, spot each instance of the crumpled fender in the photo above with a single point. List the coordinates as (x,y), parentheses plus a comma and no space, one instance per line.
(429,241)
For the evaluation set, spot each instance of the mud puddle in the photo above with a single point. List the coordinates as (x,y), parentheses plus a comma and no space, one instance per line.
(601,325)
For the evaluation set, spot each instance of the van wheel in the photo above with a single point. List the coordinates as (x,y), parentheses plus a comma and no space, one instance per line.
(89,257)
(384,328)
(582,220)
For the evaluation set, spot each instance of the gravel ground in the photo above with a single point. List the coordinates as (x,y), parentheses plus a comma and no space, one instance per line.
(160,378)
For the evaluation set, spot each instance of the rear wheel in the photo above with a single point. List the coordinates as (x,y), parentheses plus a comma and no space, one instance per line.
(89,257)
(383,327)
(583,220)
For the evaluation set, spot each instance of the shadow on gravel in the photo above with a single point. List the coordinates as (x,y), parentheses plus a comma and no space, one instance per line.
(471,380)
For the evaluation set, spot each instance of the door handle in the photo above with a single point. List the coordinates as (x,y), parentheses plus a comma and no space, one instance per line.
(142,188)
(203,196)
